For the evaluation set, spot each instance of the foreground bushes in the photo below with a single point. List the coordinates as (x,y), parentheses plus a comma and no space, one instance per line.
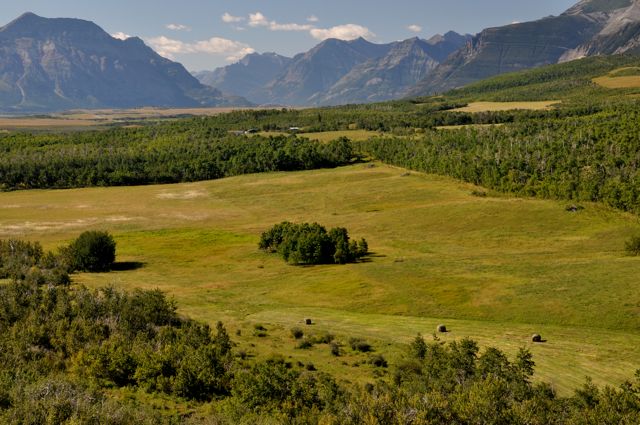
(312,244)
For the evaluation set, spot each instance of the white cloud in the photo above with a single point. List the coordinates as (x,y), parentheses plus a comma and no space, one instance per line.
(120,35)
(259,20)
(231,50)
(230,19)
(178,27)
(342,32)
(312,18)
(414,28)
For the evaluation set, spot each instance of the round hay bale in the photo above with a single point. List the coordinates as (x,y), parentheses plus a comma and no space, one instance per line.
(308,321)
(442,328)
(536,338)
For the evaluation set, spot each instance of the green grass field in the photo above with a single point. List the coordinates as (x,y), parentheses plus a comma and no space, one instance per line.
(496,269)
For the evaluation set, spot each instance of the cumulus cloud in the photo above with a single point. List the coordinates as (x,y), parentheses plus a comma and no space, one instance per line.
(230,49)
(342,32)
(120,35)
(414,28)
(178,27)
(259,20)
(230,19)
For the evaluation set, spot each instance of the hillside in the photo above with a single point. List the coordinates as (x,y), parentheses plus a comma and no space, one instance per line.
(590,28)
(57,64)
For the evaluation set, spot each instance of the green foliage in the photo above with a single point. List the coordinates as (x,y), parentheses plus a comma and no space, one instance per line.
(297,332)
(359,344)
(632,246)
(312,244)
(585,158)
(93,251)
(182,151)
(20,260)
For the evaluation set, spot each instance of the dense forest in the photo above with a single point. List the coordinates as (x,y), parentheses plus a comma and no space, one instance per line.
(65,351)
(183,151)
(588,158)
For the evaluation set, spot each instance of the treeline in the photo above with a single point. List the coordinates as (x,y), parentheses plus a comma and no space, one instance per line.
(183,151)
(588,158)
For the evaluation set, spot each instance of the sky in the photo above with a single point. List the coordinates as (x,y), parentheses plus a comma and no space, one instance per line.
(206,34)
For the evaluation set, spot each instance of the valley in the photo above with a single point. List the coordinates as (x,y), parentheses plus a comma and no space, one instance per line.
(496,269)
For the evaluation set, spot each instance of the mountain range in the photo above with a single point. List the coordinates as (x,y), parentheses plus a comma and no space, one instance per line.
(337,72)
(56,64)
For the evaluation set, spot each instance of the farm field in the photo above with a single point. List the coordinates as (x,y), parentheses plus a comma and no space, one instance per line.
(622,82)
(494,268)
(507,106)
(80,119)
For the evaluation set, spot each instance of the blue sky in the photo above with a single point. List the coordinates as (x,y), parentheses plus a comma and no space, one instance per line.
(205,34)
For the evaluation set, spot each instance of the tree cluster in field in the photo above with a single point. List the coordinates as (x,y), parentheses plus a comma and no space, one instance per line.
(181,151)
(67,355)
(312,244)
(92,251)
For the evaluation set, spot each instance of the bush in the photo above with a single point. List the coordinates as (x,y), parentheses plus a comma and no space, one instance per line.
(632,246)
(93,251)
(359,344)
(378,361)
(297,333)
(305,344)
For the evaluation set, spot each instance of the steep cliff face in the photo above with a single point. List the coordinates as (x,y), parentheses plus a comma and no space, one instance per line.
(384,78)
(53,64)
(591,27)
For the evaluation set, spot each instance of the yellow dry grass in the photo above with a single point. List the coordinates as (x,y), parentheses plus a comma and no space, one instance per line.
(507,106)
(625,82)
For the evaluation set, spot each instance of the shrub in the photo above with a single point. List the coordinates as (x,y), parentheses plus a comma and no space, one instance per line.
(632,246)
(305,344)
(93,251)
(335,349)
(359,344)
(378,361)
(297,333)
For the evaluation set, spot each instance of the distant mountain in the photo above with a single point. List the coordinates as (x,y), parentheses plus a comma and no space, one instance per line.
(392,75)
(248,77)
(591,27)
(315,72)
(56,64)
(335,71)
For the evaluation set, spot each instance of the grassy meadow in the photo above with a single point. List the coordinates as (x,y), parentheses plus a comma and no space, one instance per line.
(474,107)
(495,268)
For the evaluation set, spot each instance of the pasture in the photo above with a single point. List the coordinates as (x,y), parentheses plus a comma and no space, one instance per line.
(495,268)
(507,106)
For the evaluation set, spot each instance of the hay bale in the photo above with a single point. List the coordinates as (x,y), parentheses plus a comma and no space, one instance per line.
(442,329)
(308,321)
(536,338)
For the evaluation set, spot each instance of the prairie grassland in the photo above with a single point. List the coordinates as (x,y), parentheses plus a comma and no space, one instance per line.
(459,127)
(624,82)
(99,117)
(507,106)
(496,269)
(354,135)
